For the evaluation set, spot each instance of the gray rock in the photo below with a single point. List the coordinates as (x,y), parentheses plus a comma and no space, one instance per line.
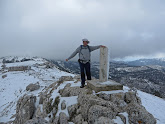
(54,111)
(66,78)
(36,121)
(63,119)
(78,119)
(118,99)
(97,111)
(25,109)
(32,87)
(86,101)
(104,120)
(42,96)
(137,114)
(4,76)
(73,91)
(72,111)
(63,105)
(38,112)
(67,85)
(132,97)
(56,120)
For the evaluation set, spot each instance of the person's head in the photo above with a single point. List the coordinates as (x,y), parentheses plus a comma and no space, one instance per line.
(85,41)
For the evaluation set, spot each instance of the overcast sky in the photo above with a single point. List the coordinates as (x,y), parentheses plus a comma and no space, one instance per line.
(54,28)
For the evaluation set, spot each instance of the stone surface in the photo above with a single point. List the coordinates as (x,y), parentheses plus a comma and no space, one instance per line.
(78,119)
(137,114)
(56,120)
(87,101)
(25,109)
(38,112)
(97,111)
(63,119)
(32,87)
(72,111)
(104,64)
(73,91)
(98,86)
(104,120)
(131,97)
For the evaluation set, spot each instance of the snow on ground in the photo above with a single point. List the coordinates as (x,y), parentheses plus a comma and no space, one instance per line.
(14,85)
(154,105)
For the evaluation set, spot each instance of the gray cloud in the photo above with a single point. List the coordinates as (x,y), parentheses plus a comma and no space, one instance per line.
(54,28)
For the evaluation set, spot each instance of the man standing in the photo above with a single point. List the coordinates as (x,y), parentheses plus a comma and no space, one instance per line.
(84,59)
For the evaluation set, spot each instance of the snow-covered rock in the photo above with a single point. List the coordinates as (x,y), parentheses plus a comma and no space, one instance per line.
(80,106)
(25,109)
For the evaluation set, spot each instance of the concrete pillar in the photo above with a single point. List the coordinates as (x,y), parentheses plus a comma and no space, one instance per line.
(104,64)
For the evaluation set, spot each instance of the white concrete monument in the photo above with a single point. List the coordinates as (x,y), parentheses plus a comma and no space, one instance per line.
(104,64)
(103,84)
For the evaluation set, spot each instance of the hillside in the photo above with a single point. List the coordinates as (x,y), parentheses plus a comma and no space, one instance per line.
(34,90)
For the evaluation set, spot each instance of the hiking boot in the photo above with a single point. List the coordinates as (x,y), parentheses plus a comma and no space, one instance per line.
(82,86)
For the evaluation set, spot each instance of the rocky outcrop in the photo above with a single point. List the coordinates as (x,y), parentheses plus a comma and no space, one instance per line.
(91,108)
(87,101)
(32,87)
(25,109)
(137,114)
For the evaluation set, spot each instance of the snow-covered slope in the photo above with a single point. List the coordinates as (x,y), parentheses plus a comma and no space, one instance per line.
(14,85)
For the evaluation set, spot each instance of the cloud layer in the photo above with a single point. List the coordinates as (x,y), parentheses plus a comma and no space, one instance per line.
(54,28)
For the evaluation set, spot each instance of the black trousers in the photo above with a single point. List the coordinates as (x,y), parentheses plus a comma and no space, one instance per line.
(85,68)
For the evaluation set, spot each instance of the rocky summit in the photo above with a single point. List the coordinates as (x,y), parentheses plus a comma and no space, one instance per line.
(50,96)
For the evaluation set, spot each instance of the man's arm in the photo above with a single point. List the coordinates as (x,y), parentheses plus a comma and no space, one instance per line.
(92,48)
(73,54)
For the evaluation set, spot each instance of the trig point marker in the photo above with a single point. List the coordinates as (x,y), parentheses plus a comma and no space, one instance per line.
(103,84)
(104,64)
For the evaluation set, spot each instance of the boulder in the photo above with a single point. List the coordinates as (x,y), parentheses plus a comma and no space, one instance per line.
(137,114)
(98,111)
(25,109)
(132,97)
(32,87)
(87,101)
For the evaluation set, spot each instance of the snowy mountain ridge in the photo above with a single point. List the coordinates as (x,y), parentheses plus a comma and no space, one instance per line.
(43,78)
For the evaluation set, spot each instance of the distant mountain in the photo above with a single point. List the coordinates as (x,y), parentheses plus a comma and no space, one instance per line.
(143,62)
